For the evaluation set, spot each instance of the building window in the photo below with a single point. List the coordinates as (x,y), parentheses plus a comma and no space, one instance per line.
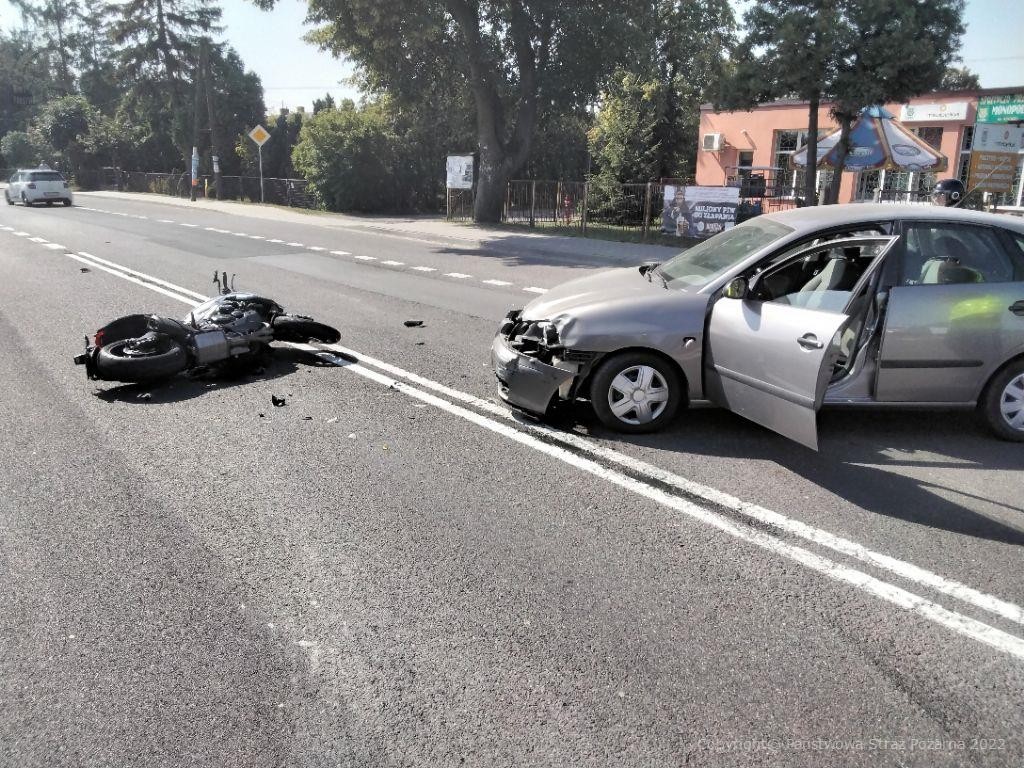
(788,181)
(932,136)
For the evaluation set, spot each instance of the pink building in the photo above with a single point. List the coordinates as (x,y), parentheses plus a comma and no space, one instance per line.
(753,148)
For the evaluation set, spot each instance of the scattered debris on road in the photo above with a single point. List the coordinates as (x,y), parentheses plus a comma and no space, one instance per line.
(84,269)
(143,396)
(279,402)
(413,323)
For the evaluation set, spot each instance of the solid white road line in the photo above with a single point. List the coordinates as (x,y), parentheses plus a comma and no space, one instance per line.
(911,602)
(144,276)
(534,289)
(129,278)
(763,515)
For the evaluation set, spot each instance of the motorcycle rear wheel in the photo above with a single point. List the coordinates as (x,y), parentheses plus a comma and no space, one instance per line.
(301,330)
(114,364)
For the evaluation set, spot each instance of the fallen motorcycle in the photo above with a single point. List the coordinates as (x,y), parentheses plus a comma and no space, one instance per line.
(142,348)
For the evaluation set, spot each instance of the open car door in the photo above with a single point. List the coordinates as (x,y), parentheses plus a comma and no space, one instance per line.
(771,354)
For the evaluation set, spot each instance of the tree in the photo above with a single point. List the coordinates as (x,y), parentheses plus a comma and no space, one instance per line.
(57,23)
(18,150)
(852,53)
(959,79)
(26,80)
(158,42)
(789,51)
(349,156)
(647,125)
(327,102)
(511,55)
(889,50)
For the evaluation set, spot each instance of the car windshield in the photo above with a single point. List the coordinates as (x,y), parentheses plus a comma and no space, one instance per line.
(45,176)
(706,261)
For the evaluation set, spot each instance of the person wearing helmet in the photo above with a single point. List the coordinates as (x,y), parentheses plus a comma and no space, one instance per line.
(948,192)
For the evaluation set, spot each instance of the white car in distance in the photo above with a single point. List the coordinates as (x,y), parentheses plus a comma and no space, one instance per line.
(38,185)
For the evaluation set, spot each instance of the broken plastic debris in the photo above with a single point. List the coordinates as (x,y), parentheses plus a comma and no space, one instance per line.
(413,323)
(143,396)
(331,421)
(307,418)
(84,269)
(277,401)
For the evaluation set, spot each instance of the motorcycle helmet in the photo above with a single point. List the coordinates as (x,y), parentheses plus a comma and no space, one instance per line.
(948,192)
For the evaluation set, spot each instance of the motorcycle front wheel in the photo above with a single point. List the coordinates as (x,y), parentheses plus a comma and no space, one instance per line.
(120,361)
(301,330)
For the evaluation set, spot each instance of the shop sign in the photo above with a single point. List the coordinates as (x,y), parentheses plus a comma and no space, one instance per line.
(930,113)
(1001,109)
(992,137)
(992,171)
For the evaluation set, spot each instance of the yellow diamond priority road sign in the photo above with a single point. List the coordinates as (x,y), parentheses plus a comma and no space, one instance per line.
(259,134)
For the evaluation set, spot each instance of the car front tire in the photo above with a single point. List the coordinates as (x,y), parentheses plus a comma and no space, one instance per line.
(7,197)
(24,201)
(1002,405)
(67,203)
(636,392)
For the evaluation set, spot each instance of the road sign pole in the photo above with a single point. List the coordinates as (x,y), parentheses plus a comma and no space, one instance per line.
(261,173)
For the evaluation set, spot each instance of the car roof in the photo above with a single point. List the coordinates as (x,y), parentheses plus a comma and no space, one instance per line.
(817,217)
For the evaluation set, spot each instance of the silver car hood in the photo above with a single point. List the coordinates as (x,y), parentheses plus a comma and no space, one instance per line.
(618,307)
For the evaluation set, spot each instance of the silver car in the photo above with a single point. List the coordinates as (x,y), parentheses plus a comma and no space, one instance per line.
(38,185)
(858,305)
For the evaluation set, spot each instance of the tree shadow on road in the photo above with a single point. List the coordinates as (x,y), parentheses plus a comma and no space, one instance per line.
(863,459)
(280,362)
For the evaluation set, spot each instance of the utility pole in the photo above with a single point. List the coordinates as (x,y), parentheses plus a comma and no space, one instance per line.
(197,85)
(204,55)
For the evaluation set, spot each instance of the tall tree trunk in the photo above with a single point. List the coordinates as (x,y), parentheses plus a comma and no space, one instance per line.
(811,169)
(845,123)
(491,181)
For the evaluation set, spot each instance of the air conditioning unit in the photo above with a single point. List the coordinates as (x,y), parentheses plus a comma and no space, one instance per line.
(712,142)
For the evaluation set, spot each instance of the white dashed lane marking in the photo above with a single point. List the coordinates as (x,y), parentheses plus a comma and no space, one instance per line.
(54,246)
(320,249)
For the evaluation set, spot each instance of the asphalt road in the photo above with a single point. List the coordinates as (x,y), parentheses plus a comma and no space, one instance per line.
(390,571)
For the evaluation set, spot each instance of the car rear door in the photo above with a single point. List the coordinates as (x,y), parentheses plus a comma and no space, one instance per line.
(770,356)
(955,314)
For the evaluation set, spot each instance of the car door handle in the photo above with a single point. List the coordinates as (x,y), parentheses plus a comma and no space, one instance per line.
(809,341)
(1017,307)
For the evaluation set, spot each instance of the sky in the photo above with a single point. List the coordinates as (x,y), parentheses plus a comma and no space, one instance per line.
(294,72)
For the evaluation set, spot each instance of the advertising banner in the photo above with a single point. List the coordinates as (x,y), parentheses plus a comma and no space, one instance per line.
(995,149)
(698,211)
(459,171)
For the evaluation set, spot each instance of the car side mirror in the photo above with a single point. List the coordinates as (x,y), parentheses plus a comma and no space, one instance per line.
(647,266)
(736,289)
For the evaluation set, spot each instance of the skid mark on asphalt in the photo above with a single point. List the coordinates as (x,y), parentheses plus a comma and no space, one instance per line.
(650,482)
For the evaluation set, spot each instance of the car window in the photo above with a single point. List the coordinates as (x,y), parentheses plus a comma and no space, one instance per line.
(13,179)
(937,253)
(45,176)
(820,279)
(708,260)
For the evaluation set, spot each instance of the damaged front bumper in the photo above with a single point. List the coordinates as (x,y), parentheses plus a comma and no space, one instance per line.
(525,381)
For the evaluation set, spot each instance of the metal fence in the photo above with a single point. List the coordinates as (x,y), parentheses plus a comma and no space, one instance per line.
(291,192)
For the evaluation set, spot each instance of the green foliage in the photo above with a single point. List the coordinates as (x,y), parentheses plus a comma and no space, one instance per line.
(26,80)
(959,79)
(510,58)
(647,125)
(18,151)
(351,157)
